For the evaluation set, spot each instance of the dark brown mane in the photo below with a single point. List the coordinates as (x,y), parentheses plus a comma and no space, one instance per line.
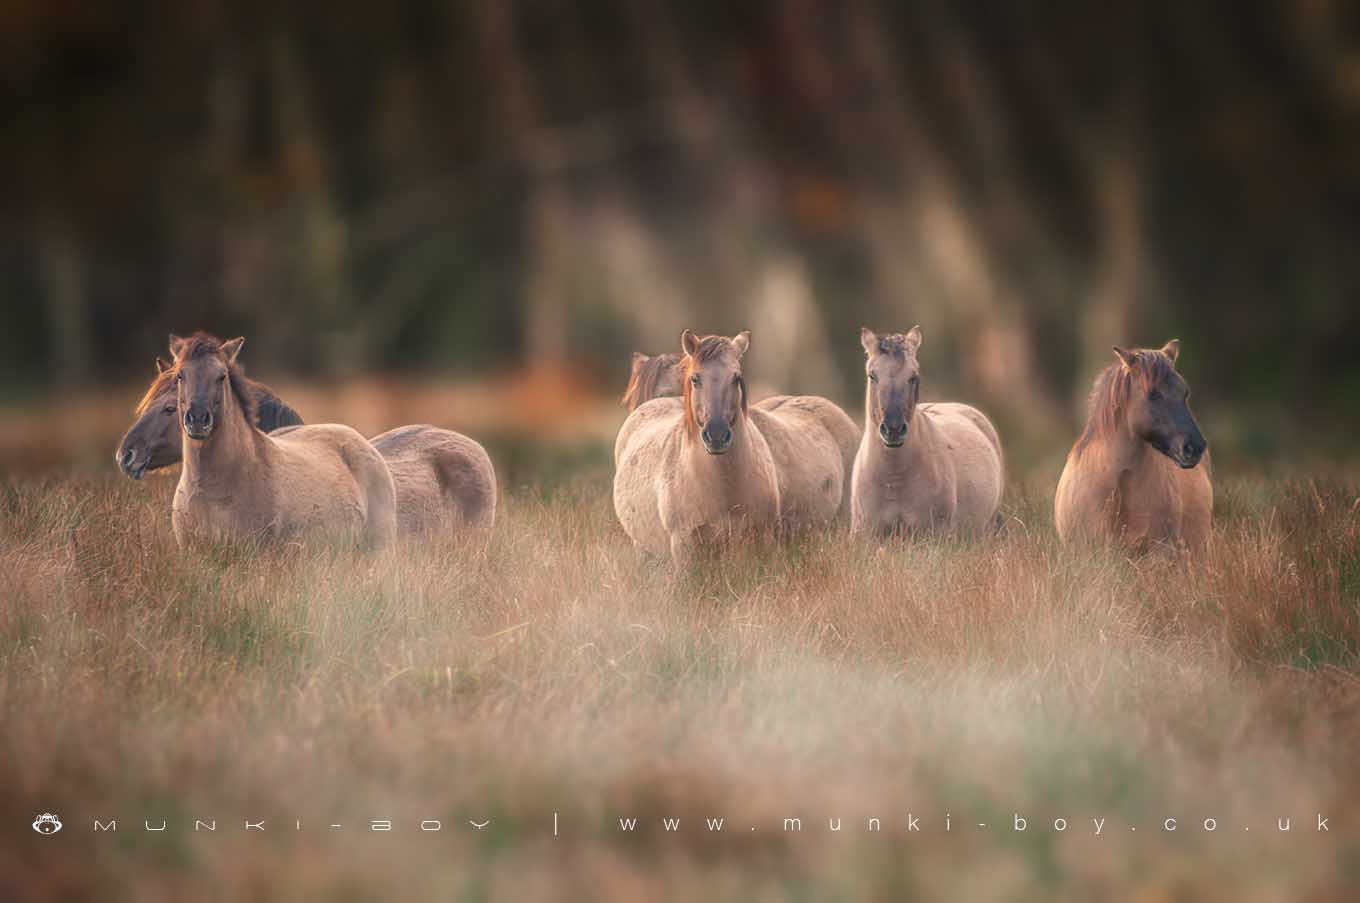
(199,345)
(645,377)
(1113,388)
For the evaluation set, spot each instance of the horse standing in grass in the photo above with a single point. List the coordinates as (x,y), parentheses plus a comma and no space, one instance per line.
(445,481)
(153,441)
(1139,472)
(698,472)
(240,482)
(809,416)
(921,467)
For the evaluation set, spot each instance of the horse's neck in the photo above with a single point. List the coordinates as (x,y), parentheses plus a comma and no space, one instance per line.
(227,459)
(1118,452)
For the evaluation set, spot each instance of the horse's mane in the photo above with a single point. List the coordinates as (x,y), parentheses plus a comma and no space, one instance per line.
(198,345)
(1112,389)
(642,385)
(160,384)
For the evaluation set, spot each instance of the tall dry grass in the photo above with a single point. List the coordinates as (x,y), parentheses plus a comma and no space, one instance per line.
(550,668)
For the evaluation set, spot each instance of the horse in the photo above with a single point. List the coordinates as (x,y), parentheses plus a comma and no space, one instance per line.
(697,472)
(445,481)
(921,468)
(661,376)
(1139,473)
(153,441)
(651,377)
(239,482)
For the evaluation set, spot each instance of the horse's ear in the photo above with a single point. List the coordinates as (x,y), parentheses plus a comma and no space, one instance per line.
(232,347)
(176,346)
(1129,358)
(161,365)
(689,342)
(914,339)
(1172,349)
(868,339)
(741,341)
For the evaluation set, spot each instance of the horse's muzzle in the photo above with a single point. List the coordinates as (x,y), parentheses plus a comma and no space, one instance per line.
(892,436)
(198,424)
(717,440)
(128,463)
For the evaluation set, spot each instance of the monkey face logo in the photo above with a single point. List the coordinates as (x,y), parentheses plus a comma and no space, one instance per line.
(47,823)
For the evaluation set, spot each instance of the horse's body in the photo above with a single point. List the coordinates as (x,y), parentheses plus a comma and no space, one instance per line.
(800,430)
(238,482)
(698,471)
(920,468)
(444,480)
(153,441)
(807,434)
(1139,473)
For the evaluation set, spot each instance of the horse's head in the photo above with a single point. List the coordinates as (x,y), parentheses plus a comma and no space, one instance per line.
(1157,404)
(652,377)
(894,382)
(152,441)
(205,376)
(714,391)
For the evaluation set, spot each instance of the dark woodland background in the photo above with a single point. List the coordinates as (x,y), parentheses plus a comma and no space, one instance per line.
(451,190)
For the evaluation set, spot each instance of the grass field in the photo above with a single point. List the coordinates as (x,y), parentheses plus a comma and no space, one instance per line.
(550,668)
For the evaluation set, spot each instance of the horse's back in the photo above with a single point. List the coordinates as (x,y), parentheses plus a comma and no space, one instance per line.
(443,478)
(648,413)
(331,470)
(972,445)
(809,458)
(645,456)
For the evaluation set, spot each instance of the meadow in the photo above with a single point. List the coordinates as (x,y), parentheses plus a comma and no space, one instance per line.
(550,668)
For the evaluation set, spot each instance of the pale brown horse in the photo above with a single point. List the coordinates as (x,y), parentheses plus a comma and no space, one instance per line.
(921,468)
(809,416)
(1139,472)
(238,482)
(445,481)
(700,471)
(153,441)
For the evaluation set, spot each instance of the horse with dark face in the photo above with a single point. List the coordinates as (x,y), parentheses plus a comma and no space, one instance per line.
(1139,472)
(921,468)
(239,482)
(153,441)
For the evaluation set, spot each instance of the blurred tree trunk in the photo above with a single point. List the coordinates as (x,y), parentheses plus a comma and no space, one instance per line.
(61,272)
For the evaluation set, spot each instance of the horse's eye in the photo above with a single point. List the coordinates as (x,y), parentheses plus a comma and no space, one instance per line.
(179,377)
(873,377)
(1154,395)
(168,409)
(222,378)
(694,380)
